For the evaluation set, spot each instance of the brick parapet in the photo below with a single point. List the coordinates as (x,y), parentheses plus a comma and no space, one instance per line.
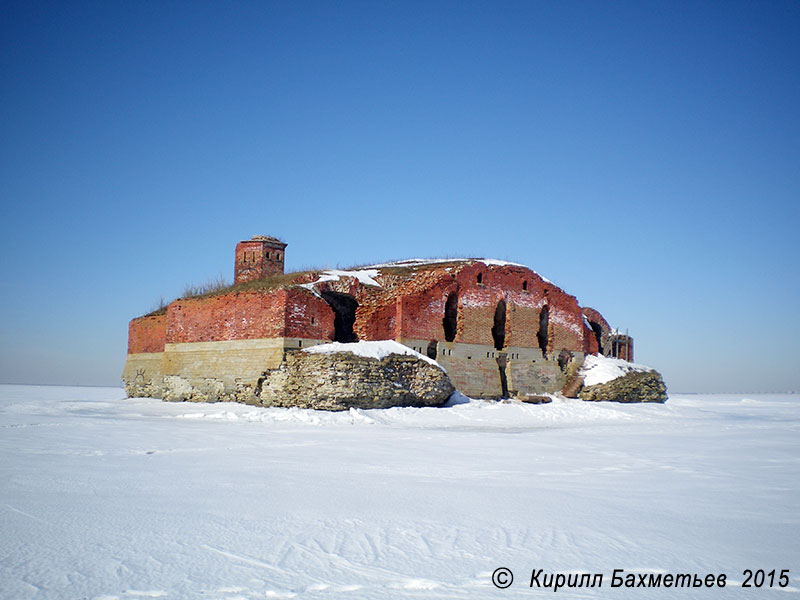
(147,334)
(244,315)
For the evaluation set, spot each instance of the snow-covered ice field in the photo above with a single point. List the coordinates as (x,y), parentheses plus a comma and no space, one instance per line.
(107,497)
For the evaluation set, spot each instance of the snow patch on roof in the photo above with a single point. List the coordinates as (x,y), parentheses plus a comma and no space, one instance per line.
(499,263)
(418,262)
(378,350)
(364,276)
(602,369)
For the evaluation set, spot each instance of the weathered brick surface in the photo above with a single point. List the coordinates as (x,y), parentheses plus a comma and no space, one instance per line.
(147,334)
(522,319)
(417,303)
(476,308)
(307,316)
(622,347)
(594,317)
(258,258)
(237,316)
(409,304)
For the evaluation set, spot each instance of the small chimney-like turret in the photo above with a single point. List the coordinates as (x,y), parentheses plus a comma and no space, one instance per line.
(257,258)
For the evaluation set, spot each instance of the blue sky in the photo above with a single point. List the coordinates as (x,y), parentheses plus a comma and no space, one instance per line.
(643,156)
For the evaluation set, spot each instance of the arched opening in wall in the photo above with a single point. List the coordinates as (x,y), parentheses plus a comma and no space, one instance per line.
(450,320)
(499,327)
(598,334)
(564,358)
(344,309)
(525,286)
(544,328)
(433,349)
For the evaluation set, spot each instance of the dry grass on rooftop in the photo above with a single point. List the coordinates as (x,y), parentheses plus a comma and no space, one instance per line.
(219,285)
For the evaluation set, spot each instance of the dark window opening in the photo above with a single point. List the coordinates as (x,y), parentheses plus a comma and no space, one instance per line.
(344,309)
(480,277)
(450,320)
(312,320)
(432,345)
(501,366)
(544,326)
(525,286)
(598,333)
(564,358)
(499,328)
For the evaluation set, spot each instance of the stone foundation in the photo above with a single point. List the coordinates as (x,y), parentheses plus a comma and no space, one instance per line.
(637,386)
(234,370)
(143,375)
(342,380)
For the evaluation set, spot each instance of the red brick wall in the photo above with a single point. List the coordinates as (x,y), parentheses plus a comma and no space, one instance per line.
(147,334)
(476,308)
(522,318)
(418,307)
(255,260)
(419,316)
(376,322)
(593,315)
(302,307)
(566,321)
(238,316)
(591,346)
(406,306)
(624,348)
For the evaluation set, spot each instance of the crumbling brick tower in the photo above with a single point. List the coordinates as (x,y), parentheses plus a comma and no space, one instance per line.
(258,257)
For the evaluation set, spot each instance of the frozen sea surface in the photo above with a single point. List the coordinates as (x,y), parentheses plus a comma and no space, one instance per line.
(104,497)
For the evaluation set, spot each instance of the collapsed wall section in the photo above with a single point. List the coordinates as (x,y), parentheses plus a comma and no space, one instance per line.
(599,339)
(460,303)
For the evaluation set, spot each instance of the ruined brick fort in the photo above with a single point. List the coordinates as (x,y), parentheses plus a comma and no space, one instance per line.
(497,328)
